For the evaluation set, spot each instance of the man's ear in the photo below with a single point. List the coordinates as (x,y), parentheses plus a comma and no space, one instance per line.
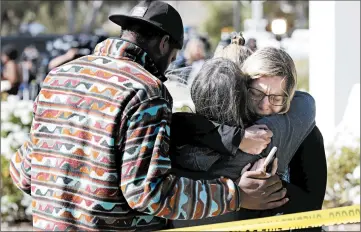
(164,45)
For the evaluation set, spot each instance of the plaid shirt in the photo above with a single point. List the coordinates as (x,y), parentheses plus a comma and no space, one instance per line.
(97,157)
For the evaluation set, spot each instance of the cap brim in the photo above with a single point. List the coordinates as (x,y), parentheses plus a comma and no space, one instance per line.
(125,20)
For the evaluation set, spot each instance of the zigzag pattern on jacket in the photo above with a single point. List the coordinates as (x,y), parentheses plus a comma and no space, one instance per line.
(97,155)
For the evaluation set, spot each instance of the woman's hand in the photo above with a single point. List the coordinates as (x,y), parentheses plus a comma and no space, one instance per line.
(255,139)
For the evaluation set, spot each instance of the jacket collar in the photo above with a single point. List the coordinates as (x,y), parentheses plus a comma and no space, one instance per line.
(125,50)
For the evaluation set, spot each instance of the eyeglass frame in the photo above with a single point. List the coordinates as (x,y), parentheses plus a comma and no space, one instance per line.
(267,95)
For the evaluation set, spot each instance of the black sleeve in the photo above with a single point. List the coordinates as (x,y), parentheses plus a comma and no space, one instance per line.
(231,137)
(189,128)
(309,171)
(308,176)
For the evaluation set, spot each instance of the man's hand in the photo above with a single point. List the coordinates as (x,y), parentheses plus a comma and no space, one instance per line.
(255,139)
(260,190)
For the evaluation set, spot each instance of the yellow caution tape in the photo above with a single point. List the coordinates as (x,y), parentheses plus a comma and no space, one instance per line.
(327,217)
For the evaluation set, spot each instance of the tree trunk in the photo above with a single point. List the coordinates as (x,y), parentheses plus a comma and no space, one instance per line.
(70,8)
(236,15)
(91,16)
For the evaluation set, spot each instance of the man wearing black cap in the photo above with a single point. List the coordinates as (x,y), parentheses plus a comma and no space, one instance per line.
(98,155)
(157,28)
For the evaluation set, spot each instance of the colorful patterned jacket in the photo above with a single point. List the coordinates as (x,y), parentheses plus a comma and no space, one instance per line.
(97,157)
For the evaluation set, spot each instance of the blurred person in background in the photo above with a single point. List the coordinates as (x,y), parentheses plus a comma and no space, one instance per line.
(70,55)
(207,46)
(28,89)
(81,45)
(252,44)
(195,55)
(10,70)
(29,61)
(180,61)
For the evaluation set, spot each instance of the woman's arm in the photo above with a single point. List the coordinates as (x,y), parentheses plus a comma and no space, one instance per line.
(290,129)
(59,60)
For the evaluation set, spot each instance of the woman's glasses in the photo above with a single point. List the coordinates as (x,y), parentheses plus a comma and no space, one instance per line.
(258,95)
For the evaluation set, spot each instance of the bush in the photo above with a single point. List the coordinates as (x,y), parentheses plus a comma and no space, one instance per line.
(302,67)
(16,117)
(343,184)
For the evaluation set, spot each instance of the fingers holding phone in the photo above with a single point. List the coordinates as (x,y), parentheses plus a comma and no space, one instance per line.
(268,160)
(263,165)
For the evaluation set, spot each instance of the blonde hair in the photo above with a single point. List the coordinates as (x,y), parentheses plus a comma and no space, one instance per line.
(235,51)
(194,50)
(270,62)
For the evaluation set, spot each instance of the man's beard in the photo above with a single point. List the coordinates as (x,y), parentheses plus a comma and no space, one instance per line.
(162,63)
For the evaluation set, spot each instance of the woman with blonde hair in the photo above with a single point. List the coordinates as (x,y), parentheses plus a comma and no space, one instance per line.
(272,91)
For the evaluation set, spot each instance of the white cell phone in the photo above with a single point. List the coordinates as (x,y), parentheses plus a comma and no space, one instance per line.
(269,158)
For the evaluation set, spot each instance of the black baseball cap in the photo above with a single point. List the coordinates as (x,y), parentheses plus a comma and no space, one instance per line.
(157,14)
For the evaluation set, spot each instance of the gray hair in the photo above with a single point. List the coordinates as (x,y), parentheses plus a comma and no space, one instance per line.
(270,62)
(219,92)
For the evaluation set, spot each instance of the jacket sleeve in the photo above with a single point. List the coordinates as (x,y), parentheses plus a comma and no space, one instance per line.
(308,176)
(20,163)
(290,129)
(231,137)
(146,182)
(20,167)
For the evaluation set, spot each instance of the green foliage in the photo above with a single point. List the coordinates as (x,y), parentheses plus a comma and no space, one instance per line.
(220,15)
(53,14)
(302,67)
(343,183)
(11,200)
